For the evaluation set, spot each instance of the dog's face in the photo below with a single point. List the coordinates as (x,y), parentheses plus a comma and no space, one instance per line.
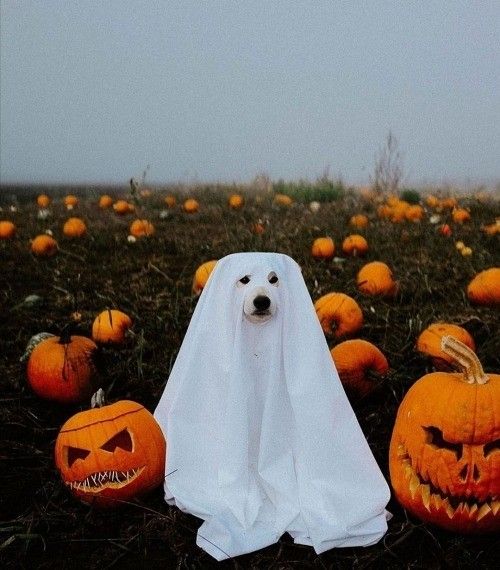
(259,296)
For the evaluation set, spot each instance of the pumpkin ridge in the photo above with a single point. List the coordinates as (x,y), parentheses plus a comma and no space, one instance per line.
(100,421)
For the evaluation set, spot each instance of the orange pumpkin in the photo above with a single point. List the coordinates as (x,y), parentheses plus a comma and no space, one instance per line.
(257,228)
(191,206)
(202,274)
(141,228)
(105,201)
(70,200)
(492,229)
(338,314)
(484,289)
(355,245)
(74,227)
(43,201)
(282,200)
(429,343)
(44,246)
(444,455)
(111,454)
(170,201)
(376,278)
(359,221)
(235,201)
(359,364)
(62,368)
(121,207)
(445,230)
(323,248)
(414,213)
(7,229)
(448,203)
(432,201)
(460,215)
(111,327)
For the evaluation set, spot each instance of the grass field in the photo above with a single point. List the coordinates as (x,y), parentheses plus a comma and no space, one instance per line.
(43,526)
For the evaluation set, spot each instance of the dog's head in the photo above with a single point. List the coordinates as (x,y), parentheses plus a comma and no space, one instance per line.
(259,296)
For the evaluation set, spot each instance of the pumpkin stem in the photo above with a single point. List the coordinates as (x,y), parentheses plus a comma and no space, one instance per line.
(98,399)
(465,358)
(65,336)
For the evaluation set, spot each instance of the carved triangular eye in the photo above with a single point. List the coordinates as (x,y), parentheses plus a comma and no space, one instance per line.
(491,447)
(74,453)
(122,440)
(434,437)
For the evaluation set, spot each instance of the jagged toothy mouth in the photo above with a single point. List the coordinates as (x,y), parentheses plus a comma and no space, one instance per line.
(97,482)
(433,496)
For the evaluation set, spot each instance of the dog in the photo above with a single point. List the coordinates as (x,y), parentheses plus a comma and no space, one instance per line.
(259,300)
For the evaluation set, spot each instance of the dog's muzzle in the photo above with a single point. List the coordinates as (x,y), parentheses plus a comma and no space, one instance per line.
(259,307)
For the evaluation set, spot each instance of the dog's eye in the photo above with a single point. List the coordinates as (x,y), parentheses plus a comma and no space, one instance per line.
(244,280)
(272,278)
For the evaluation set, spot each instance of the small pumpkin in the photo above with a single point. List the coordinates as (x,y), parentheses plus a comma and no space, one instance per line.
(432,201)
(111,327)
(355,245)
(460,215)
(257,228)
(170,201)
(360,365)
(484,289)
(70,200)
(376,278)
(283,200)
(414,213)
(111,454)
(235,201)
(43,201)
(105,201)
(339,314)
(7,229)
(444,456)
(323,248)
(429,342)
(141,228)
(74,228)
(44,245)
(492,229)
(202,274)
(62,368)
(121,207)
(445,230)
(191,206)
(448,203)
(359,221)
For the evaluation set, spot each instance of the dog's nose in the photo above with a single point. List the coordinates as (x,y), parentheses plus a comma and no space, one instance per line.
(261,302)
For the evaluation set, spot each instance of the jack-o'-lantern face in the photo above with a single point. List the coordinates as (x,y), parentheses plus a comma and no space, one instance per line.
(111,454)
(445,452)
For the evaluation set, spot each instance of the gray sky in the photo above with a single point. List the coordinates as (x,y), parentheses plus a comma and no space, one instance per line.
(223,90)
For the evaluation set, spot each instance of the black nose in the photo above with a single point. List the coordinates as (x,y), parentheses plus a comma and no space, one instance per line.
(261,302)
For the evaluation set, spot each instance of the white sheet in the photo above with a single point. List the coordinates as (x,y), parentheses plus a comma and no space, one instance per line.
(261,438)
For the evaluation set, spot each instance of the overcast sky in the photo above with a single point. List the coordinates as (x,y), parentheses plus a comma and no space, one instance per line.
(93,91)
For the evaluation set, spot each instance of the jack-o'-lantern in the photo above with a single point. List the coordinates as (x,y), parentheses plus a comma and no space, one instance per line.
(444,456)
(111,454)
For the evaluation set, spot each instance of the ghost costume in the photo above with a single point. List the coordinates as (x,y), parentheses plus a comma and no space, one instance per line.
(261,439)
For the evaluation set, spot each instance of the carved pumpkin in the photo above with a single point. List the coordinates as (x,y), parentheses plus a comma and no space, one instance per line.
(7,229)
(359,221)
(191,206)
(105,201)
(338,314)
(202,274)
(484,289)
(444,456)
(111,454)
(376,278)
(235,201)
(43,201)
(355,245)
(74,227)
(62,368)
(429,342)
(111,327)
(323,248)
(44,246)
(359,364)
(142,228)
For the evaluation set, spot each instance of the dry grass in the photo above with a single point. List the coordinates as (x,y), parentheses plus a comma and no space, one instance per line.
(44,527)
